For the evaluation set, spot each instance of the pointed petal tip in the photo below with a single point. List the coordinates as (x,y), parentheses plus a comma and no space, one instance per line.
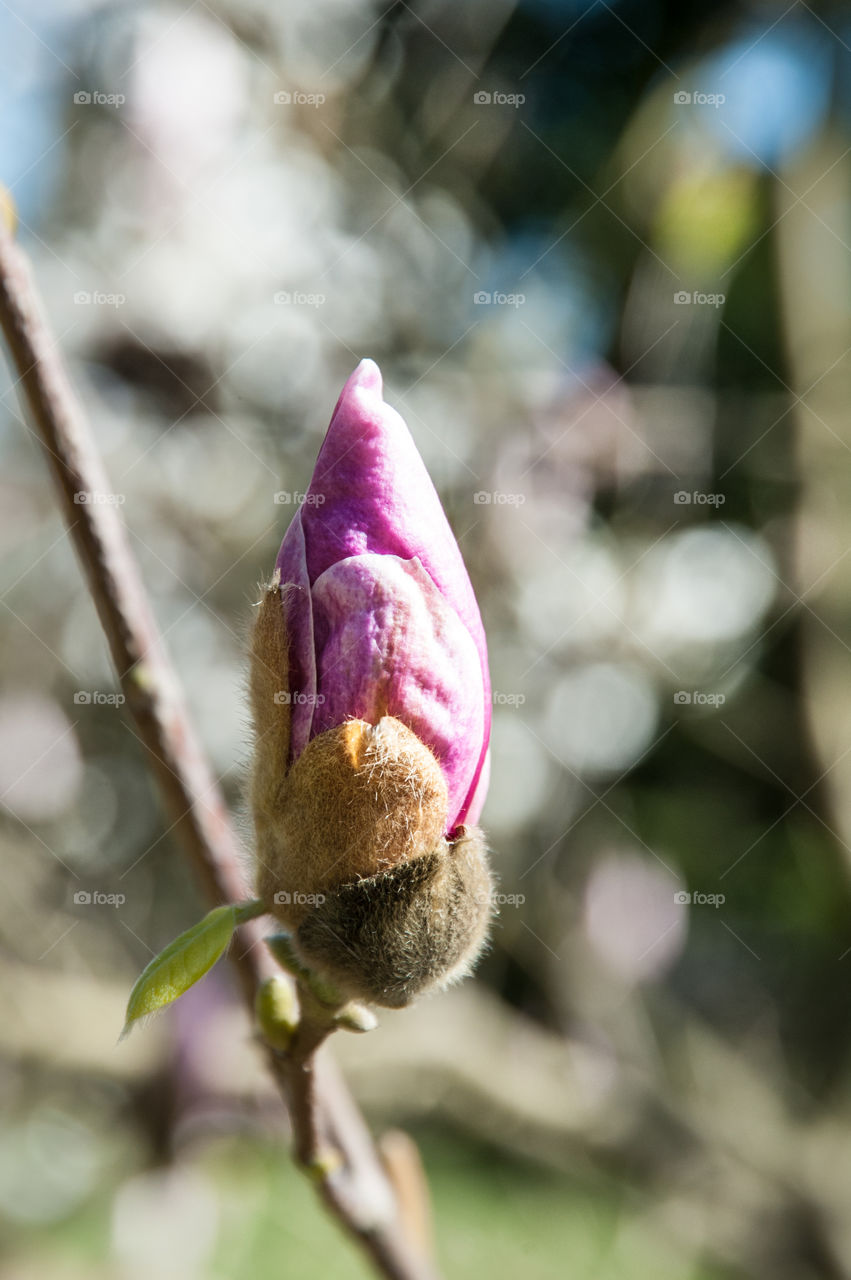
(368,376)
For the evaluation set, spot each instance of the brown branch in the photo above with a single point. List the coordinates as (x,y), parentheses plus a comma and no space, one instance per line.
(322,1111)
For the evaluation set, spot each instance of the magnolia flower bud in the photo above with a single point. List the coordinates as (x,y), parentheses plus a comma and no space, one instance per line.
(371,703)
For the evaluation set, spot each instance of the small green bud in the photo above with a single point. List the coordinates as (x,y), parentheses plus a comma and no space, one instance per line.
(356,1017)
(324,992)
(277,1012)
(324,1164)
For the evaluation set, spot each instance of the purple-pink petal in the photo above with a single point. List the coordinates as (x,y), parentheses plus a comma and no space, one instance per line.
(387,643)
(371,498)
(298,612)
(477,799)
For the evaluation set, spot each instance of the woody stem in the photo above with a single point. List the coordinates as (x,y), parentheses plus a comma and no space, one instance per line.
(359,1194)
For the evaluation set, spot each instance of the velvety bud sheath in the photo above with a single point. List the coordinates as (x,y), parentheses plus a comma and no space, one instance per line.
(371,703)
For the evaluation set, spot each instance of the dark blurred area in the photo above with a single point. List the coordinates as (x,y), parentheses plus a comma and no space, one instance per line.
(602,255)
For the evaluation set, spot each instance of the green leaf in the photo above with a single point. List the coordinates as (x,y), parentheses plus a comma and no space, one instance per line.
(250,910)
(182,963)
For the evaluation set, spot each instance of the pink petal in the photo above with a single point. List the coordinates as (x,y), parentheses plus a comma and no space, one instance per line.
(477,799)
(387,643)
(298,614)
(371,492)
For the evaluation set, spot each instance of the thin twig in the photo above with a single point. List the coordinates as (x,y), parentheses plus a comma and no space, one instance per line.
(321,1109)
